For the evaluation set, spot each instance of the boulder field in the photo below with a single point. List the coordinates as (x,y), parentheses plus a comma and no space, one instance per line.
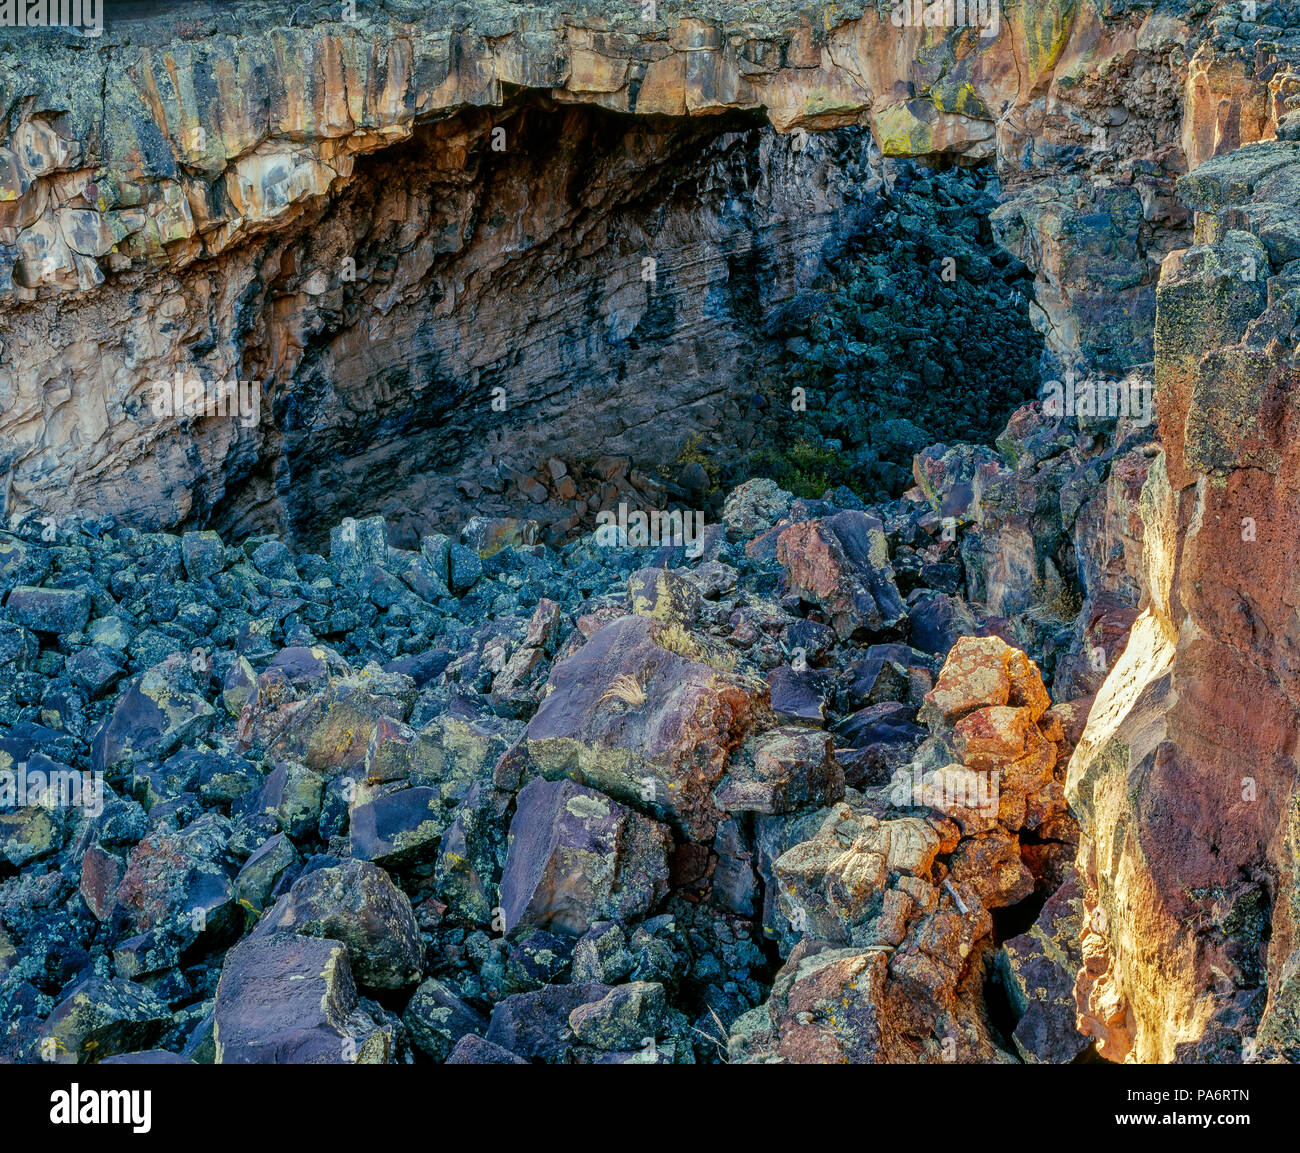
(491,801)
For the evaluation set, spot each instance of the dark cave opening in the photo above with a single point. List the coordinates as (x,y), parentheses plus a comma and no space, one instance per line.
(606,288)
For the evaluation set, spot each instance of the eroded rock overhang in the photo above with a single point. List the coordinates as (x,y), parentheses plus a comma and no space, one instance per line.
(143,171)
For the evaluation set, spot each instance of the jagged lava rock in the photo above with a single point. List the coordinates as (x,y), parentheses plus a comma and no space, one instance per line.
(284,999)
(661,745)
(357,903)
(841,563)
(577,857)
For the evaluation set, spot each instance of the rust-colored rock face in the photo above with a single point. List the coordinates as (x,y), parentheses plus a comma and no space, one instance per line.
(1185,778)
(887,911)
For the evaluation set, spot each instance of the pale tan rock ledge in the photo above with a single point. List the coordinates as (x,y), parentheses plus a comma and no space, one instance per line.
(165,143)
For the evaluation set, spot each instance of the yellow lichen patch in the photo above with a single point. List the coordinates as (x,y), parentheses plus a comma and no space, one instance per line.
(951,95)
(1047,26)
(901,132)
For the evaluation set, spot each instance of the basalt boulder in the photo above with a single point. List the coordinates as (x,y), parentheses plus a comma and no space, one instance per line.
(285,999)
(841,564)
(577,857)
(161,710)
(357,903)
(641,723)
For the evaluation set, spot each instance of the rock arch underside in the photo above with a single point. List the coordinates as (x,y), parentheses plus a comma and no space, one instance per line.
(957,723)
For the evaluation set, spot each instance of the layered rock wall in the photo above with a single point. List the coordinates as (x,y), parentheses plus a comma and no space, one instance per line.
(180,194)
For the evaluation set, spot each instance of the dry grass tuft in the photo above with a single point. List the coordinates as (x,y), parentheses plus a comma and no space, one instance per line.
(625,688)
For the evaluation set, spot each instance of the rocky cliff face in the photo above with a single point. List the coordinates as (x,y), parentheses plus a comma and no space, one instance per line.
(500,314)
(363,216)
(1186,773)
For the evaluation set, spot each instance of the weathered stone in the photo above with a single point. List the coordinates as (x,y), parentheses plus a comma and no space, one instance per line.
(179,881)
(437,1019)
(489,535)
(239,687)
(356,903)
(21,563)
(357,544)
(203,553)
(58,611)
(536,1025)
(148,1057)
(331,728)
(754,506)
(826,889)
(273,559)
(285,999)
(663,595)
(640,723)
(1038,969)
(474,1050)
(780,771)
(157,713)
(464,569)
(293,794)
(262,870)
(983,671)
(29,834)
(100,1018)
(471,854)
(19,647)
(101,873)
(798,696)
(841,563)
(577,857)
(398,829)
(601,955)
(95,669)
(623,1019)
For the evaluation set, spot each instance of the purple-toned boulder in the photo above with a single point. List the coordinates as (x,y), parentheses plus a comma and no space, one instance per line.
(437,1019)
(576,857)
(841,564)
(797,695)
(781,771)
(356,903)
(289,1000)
(306,667)
(472,1049)
(148,1057)
(536,1024)
(99,1018)
(58,611)
(641,723)
(329,730)
(159,711)
(398,829)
